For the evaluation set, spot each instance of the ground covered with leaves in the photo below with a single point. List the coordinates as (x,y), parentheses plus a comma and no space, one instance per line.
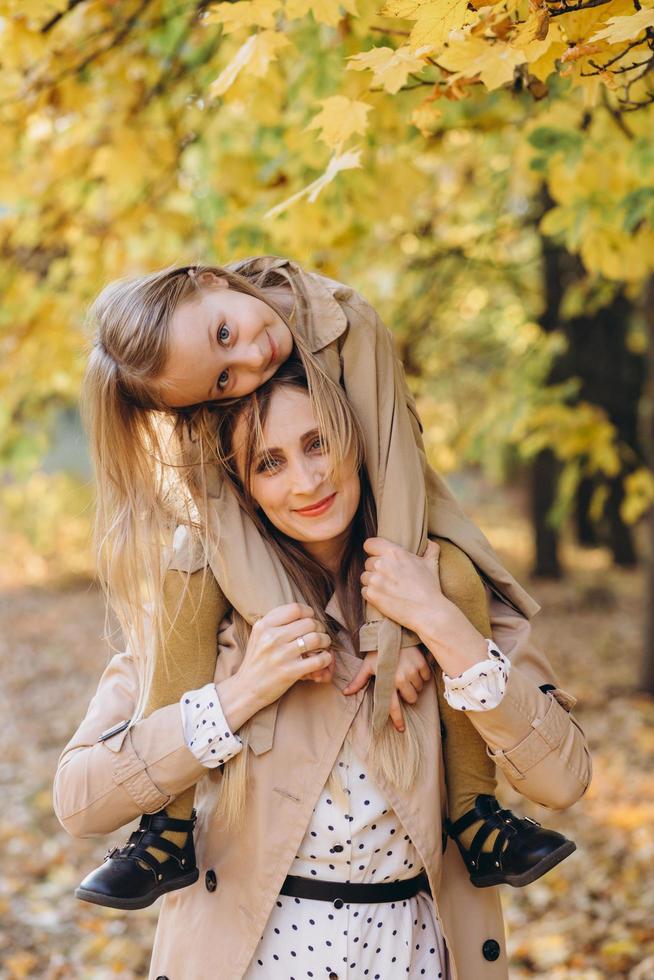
(590,918)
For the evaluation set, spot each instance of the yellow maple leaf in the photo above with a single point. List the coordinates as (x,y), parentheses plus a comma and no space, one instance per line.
(339,119)
(435,19)
(324,11)
(390,67)
(256,54)
(620,29)
(471,55)
(344,161)
(244,13)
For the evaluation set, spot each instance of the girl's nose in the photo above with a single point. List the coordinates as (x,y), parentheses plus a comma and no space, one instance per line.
(255,357)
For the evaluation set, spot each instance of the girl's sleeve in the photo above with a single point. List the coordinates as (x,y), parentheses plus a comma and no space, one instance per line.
(374,382)
(531,734)
(111,772)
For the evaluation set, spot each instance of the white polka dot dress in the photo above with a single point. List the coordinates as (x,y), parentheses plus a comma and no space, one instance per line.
(353,837)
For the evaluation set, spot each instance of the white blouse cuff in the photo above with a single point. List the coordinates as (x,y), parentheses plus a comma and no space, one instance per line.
(480,687)
(206,731)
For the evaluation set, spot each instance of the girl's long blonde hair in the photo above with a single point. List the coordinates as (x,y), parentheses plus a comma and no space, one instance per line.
(154,468)
(396,756)
(153,464)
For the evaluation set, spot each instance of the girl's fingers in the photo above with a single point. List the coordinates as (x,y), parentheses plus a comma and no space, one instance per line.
(361,679)
(408,692)
(416,680)
(425,671)
(396,713)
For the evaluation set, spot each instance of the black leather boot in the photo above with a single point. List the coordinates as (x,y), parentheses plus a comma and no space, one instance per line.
(523,851)
(121,883)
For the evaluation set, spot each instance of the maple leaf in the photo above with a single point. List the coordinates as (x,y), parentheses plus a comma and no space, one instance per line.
(256,53)
(343,161)
(390,67)
(339,119)
(620,29)
(435,19)
(494,63)
(243,13)
(324,11)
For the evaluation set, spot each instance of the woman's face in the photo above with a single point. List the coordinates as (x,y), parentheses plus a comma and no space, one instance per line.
(222,344)
(290,483)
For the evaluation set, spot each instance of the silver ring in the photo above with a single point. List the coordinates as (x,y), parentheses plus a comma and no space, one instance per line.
(302,645)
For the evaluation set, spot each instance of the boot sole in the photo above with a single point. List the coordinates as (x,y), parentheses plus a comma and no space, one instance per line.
(130,904)
(526,878)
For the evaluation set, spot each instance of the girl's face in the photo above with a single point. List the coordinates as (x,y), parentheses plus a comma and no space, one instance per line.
(290,483)
(222,344)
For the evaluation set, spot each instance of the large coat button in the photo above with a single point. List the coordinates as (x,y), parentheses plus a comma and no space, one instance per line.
(491,949)
(210,880)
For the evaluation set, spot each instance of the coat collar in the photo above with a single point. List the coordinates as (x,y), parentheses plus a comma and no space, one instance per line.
(325,320)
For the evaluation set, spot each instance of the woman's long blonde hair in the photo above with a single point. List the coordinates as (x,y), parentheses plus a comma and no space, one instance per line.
(396,756)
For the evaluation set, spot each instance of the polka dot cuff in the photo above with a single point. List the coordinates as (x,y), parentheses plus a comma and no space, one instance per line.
(480,687)
(206,731)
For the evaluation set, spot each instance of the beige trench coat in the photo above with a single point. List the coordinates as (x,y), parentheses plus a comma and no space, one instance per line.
(209,931)
(356,350)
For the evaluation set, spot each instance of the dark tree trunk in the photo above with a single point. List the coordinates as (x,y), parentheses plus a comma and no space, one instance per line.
(585,527)
(647,681)
(544,476)
(545,468)
(612,378)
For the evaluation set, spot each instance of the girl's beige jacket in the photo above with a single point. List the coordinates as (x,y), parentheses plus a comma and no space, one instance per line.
(110,773)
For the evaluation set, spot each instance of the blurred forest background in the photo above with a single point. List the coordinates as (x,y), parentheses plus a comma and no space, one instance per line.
(483,172)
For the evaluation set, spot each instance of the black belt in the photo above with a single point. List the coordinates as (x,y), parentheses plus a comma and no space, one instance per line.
(340,892)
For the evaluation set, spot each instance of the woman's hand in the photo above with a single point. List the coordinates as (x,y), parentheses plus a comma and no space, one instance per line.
(412,674)
(407,589)
(402,586)
(273,661)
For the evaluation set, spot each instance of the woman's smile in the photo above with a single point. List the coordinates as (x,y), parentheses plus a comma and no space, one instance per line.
(313,510)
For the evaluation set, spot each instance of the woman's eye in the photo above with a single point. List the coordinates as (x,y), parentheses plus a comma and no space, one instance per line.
(223,333)
(222,380)
(318,444)
(268,465)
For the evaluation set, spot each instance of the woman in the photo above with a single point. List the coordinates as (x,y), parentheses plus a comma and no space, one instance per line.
(318,851)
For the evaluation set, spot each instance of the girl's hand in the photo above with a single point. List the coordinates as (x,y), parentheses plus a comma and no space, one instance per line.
(273,661)
(402,586)
(412,674)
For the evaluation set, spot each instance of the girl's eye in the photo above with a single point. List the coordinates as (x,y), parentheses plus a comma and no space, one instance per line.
(317,444)
(223,333)
(222,380)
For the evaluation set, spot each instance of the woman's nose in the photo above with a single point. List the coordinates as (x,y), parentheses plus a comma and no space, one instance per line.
(305,477)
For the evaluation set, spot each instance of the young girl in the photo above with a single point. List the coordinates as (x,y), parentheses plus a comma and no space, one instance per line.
(177,345)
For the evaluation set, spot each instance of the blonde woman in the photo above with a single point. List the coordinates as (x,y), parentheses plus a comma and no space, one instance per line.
(180,346)
(321,855)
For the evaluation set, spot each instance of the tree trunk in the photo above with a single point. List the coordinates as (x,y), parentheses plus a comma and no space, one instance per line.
(647,681)
(544,475)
